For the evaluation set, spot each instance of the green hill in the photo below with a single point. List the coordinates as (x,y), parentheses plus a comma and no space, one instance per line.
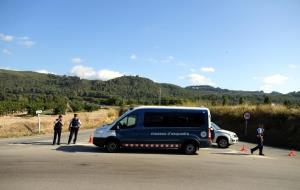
(25,90)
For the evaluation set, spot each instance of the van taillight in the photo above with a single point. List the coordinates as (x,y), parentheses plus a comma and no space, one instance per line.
(209,134)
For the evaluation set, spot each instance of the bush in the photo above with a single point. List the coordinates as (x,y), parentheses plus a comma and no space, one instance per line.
(91,107)
(33,107)
(122,110)
(76,105)
(60,109)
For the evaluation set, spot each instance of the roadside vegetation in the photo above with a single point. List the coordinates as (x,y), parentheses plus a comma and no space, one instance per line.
(22,91)
(25,92)
(281,123)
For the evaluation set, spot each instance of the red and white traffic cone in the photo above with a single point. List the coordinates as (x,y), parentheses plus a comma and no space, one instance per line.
(91,139)
(292,153)
(244,149)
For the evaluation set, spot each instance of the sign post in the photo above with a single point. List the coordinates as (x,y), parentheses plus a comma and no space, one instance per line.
(38,112)
(247,116)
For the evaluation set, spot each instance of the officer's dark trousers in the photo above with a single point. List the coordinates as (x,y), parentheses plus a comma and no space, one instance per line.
(73,130)
(259,146)
(57,134)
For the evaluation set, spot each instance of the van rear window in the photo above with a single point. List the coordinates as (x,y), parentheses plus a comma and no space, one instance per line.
(174,119)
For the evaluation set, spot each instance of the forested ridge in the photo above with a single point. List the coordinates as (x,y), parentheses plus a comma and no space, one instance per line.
(29,91)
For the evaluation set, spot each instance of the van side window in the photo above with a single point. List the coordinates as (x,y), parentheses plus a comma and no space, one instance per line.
(127,122)
(169,119)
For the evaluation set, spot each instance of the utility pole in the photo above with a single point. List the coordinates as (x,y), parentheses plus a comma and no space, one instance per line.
(159,95)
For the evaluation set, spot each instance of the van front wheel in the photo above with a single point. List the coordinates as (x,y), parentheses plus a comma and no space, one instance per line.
(190,148)
(112,146)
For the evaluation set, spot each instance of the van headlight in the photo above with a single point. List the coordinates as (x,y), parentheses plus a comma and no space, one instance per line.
(99,131)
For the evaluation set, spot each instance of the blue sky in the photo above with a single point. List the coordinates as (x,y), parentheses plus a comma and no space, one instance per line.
(239,45)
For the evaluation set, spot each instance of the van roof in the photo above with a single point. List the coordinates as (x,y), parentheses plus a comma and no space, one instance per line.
(171,107)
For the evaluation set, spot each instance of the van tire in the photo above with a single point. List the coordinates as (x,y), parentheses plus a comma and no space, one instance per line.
(223,142)
(112,146)
(190,148)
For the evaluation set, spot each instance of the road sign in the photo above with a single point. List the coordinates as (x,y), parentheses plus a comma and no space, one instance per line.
(39,111)
(247,115)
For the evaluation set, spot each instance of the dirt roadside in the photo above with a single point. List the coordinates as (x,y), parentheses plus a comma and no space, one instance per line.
(17,126)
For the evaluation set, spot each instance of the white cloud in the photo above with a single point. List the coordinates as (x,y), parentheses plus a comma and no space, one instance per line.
(207,69)
(133,56)
(275,79)
(167,59)
(181,64)
(292,66)
(26,42)
(192,70)
(273,82)
(84,72)
(77,60)
(90,73)
(6,38)
(171,57)
(107,74)
(6,51)
(197,79)
(6,68)
(24,38)
(152,60)
(43,71)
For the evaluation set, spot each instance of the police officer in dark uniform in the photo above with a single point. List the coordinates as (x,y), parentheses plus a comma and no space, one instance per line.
(260,140)
(74,128)
(57,129)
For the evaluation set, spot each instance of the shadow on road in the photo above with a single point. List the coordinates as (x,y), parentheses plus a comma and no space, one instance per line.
(92,149)
(78,148)
(232,153)
(33,143)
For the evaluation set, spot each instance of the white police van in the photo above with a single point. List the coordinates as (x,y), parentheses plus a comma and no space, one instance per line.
(161,127)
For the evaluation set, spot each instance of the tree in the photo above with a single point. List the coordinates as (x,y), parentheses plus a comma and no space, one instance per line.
(77,105)
(287,103)
(224,100)
(60,109)
(267,100)
(241,101)
(32,107)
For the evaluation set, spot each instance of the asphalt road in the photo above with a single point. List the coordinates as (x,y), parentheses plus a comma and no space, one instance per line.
(33,163)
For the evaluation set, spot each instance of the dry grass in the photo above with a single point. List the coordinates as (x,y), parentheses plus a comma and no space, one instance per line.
(282,124)
(255,110)
(16,126)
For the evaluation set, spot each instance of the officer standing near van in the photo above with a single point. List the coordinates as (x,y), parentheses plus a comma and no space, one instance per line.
(57,129)
(74,128)
(260,139)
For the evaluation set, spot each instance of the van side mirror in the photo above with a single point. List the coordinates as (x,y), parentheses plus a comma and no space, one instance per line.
(116,127)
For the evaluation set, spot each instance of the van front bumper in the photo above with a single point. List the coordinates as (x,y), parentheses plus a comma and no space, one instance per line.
(98,141)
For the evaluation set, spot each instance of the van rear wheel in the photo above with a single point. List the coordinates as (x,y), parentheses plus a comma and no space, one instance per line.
(112,146)
(190,148)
